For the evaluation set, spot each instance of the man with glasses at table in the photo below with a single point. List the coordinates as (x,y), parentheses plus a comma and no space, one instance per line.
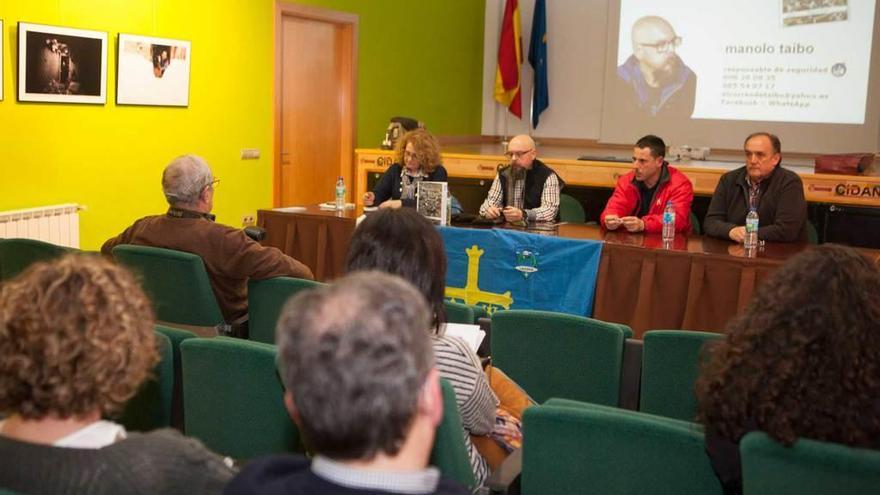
(524,190)
(230,256)
(654,81)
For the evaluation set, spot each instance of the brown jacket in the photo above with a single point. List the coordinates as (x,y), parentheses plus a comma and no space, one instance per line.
(231,257)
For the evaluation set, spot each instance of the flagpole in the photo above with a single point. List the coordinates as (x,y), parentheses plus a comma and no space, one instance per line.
(504,139)
(532,111)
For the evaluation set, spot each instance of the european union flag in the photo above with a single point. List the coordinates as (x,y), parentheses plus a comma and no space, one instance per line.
(505,269)
(538,61)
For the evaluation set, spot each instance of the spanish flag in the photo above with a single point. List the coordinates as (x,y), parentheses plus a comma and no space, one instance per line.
(507,76)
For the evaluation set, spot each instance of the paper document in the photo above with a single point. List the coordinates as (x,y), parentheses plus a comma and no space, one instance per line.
(330,205)
(470,334)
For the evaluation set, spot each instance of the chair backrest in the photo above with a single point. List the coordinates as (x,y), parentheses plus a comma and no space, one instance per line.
(812,234)
(571,210)
(574,447)
(175,281)
(559,355)
(808,466)
(670,365)
(233,398)
(151,407)
(695,224)
(449,453)
(459,313)
(176,336)
(266,298)
(18,254)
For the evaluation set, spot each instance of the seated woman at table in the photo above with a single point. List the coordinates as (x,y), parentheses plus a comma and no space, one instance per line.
(417,158)
(77,341)
(404,243)
(802,361)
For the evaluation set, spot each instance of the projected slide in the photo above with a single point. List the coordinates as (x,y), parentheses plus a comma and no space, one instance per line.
(763,60)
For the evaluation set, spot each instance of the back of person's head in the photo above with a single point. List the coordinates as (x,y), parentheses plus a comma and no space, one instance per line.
(184,179)
(426,146)
(655,143)
(803,359)
(404,243)
(76,336)
(354,356)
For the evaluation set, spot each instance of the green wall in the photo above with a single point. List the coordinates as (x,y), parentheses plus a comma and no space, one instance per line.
(416,58)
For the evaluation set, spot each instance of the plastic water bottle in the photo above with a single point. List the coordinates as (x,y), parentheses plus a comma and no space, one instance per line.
(668,222)
(751,239)
(448,208)
(340,193)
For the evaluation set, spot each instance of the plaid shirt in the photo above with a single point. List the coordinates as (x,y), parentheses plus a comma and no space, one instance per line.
(544,213)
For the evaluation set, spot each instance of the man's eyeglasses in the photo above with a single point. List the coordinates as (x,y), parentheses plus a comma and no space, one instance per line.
(212,184)
(664,46)
(515,155)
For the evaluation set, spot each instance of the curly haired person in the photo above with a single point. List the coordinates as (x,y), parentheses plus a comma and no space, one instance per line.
(77,340)
(802,361)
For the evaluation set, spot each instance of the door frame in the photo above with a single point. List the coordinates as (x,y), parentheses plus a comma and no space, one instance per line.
(348,22)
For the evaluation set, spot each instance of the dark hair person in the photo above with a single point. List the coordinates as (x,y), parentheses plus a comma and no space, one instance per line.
(802,361)
(76,336)
(403,243)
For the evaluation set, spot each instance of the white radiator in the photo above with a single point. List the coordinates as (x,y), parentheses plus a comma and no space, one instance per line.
(58,224)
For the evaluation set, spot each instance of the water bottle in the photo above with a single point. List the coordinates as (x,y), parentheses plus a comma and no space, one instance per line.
(340,193)
(668,222)
(448,208)
(751,239)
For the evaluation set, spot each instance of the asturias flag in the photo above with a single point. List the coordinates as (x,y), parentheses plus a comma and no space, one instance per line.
(538,60)
(507,76)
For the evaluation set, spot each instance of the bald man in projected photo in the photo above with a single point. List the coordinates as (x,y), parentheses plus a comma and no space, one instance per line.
(654,82)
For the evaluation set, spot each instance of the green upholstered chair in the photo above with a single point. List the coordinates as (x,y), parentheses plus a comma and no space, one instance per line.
(176,282)
(670,365)
(695,224)
(571,210)
(559,355)
(575,447)
(176,336)
(18,254)
(151,407)
(266,298)
(808,466)
(459,313)
(479,312)
(449,453)
(812,233)
(233,398)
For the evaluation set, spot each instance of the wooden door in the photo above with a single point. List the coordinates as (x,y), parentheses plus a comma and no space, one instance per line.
(315,131)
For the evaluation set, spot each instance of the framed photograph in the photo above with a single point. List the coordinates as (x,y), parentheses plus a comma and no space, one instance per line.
(432,201)
(61,65)
(153,71)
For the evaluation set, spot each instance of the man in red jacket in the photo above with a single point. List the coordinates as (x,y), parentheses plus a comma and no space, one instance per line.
(640,196)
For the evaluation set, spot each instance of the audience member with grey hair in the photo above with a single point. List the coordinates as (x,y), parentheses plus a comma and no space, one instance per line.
(357,364)
(230,256)
(184,178)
